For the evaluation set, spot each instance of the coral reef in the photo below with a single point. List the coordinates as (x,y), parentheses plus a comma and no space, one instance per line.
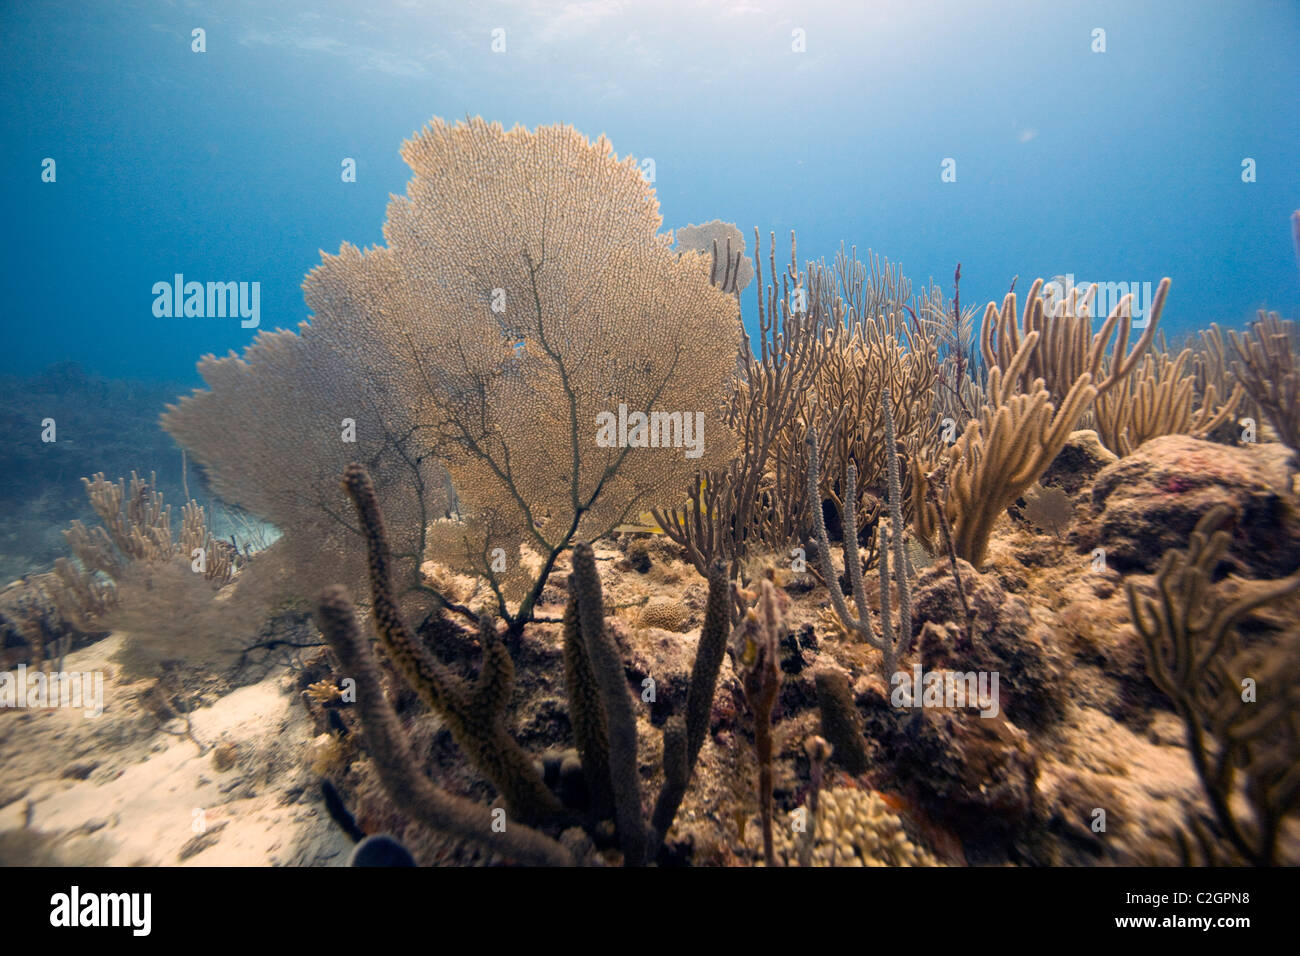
(592,527)
(854,828)
(1005,640)
(829,341)
(1265,365)
(1066,347)
(1195,658)
(475,713)
(876,353)
(603,718)
(397,764)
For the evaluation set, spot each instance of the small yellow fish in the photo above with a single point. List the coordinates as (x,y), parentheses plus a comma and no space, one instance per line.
(646,523)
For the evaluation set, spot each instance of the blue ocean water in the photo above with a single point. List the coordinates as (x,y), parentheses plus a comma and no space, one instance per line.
(835,119)
(147,144)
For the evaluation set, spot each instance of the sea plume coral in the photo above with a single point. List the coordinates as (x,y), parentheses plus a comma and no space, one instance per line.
(1067,347)
(1000,455)
(1045,371)
(1195,656)
(1266,366)
(1158,399)
(524,292)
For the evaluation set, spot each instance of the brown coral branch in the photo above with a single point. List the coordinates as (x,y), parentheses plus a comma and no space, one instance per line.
(757,645)
(610,677)
(474,713)
(1191,657)
(709,652)
(586,711)
(396,764)
(841,724)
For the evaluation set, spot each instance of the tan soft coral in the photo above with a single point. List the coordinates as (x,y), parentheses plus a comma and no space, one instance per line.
(524,290)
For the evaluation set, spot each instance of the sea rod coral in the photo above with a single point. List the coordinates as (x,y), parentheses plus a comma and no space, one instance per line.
(600,702)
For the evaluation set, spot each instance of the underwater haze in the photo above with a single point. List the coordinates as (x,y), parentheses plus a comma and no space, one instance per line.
(1122,165)
(617,434)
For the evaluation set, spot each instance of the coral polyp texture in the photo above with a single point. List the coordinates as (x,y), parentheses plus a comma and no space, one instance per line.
(853,828)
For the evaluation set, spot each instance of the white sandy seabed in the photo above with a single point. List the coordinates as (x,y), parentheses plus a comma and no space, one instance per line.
(118,790)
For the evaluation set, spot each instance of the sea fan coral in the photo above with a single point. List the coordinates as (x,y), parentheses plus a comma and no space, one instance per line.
(524,298)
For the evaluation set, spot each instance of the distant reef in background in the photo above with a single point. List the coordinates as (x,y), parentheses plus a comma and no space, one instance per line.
(100,425)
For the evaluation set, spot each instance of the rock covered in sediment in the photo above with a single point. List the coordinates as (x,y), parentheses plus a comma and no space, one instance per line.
(658,664)
(1150,501)
(1006,640)
(1078,462)
(976,774)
